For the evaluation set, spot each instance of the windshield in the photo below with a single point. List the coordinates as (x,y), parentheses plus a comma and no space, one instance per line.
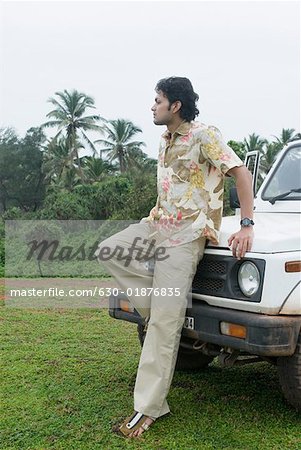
(287,176)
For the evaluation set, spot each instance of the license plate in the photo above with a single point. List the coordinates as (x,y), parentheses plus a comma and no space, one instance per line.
(189,323)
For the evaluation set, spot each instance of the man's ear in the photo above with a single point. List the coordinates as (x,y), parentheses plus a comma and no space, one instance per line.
(176,106)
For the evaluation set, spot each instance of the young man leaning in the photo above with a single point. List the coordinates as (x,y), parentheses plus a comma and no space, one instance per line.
(192,163)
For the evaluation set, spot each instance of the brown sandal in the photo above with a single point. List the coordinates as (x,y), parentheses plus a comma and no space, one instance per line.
(134,422)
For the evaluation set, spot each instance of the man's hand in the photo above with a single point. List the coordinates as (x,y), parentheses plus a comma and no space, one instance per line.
(241,242)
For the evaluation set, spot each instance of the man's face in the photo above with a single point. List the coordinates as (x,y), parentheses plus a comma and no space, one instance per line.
(162,112)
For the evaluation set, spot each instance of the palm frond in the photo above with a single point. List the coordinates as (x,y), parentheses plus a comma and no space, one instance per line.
(51,123)
(57,104)
(136,144)
(89,142)
(58,114)
(103,141)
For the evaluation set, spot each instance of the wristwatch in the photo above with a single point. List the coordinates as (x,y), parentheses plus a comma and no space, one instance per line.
(246,222)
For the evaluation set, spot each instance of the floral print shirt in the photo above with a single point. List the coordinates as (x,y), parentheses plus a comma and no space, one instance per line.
(192,164)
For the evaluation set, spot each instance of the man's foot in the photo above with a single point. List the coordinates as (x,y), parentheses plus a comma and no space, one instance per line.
(135,425)
(144,427)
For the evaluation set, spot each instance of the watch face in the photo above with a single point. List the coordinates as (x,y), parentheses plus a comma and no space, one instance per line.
(246,222)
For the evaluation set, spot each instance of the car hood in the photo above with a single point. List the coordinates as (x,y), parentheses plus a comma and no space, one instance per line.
(273,233)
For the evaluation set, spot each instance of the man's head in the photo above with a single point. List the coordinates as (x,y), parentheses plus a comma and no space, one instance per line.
(175,98)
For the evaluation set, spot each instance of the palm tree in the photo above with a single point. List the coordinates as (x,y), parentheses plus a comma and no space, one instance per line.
(254,142)
(287,134)
(68,116)
(140,163)
(71,179)
(118,144)
(58,162)
(96,169)
(269,155)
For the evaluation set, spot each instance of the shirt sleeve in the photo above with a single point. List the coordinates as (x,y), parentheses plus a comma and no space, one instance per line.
(217,152)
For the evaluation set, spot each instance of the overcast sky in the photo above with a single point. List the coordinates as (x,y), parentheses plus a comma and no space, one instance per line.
(243,59)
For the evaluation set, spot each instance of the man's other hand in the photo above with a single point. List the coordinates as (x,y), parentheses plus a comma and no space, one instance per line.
(241,242)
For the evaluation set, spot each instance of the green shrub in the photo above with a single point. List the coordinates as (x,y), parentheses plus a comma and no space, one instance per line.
(63,206)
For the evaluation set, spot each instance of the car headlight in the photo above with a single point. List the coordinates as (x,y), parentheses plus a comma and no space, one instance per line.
(248,278)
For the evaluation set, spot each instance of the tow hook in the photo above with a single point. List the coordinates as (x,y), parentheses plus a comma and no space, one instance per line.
(206,348)
(199,345)
(228,359)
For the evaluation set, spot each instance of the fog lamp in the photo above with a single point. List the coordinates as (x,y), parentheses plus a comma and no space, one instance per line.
(232,329)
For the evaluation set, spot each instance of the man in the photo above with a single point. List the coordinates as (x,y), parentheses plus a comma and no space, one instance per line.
(193,161)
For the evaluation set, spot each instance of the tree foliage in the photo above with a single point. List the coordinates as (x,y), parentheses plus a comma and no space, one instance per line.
(50,180)
(22,182)
(68,116)
(118,144)
(97,169)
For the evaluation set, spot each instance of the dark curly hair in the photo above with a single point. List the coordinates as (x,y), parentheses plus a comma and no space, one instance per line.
(180,88)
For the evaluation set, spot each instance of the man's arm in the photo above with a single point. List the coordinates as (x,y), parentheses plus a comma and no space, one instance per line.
(242,240)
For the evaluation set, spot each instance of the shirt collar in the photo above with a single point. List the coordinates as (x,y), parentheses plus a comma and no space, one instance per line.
(182,129)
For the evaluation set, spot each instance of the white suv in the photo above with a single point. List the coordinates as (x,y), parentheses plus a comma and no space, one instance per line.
(249,310)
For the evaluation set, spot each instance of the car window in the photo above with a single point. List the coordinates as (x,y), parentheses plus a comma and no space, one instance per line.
(287,176)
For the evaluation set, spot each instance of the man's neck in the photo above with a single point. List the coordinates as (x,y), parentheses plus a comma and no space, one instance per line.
(174,125)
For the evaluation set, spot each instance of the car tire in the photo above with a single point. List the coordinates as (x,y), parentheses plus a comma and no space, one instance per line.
(289,370)
(187,359)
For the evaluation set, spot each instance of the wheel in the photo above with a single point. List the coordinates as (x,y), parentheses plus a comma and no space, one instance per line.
(289,369)
(187,359)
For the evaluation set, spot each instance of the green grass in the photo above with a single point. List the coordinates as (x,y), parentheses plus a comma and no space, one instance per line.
(68,375)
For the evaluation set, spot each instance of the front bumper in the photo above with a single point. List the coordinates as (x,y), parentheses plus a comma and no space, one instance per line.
(266,335)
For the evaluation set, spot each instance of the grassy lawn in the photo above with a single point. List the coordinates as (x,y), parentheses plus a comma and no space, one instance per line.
(68,375)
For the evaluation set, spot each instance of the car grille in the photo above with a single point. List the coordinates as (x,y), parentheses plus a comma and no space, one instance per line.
(214,266)
(207,284)
(206,280)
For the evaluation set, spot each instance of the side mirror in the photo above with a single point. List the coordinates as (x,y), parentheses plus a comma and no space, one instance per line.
(234,200)
(252,161)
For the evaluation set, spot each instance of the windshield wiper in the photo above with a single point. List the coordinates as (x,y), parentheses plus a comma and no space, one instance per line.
(285,194)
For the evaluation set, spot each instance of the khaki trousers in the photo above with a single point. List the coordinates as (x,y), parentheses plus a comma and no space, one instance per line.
(164,310)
